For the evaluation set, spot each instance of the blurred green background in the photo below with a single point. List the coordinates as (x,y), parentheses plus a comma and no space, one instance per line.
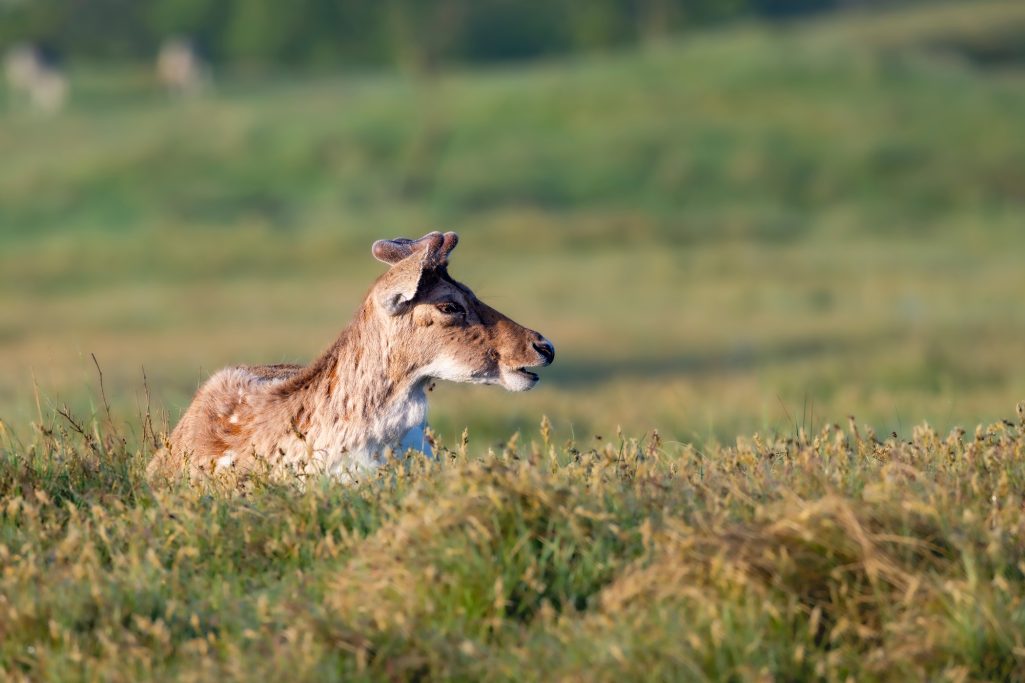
(728,216)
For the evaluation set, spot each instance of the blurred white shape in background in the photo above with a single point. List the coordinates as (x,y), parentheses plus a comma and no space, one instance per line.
(180,68)
(35,79)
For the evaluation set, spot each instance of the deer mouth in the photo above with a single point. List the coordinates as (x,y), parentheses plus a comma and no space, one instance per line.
(517,379)
(520,378)
(533,376)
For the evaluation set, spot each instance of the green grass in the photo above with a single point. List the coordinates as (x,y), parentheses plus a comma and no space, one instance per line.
(749,230)
(714,232)
(831,555)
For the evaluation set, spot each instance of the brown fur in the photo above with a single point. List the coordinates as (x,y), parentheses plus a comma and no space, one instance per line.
(344,412)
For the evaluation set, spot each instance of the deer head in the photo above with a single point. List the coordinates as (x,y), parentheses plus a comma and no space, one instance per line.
(437,328)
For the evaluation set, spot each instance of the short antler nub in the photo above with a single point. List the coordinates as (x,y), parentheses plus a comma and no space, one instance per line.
(392,251)
(434,246)
(449,242)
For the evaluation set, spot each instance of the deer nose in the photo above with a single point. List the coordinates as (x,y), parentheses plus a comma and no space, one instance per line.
(545,348)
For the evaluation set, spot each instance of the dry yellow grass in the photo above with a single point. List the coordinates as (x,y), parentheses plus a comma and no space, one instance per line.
(831,555)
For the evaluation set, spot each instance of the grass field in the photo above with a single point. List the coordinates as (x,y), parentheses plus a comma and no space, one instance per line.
(721,235)
(834,556)
(748,230)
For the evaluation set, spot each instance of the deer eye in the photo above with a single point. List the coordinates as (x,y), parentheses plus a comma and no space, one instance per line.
(451,308)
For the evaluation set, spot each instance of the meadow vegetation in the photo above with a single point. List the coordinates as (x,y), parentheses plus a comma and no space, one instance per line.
(751,230)
(726,233)
(832,555)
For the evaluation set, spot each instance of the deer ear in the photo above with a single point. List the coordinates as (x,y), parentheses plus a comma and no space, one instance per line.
(411,260)
(393,297)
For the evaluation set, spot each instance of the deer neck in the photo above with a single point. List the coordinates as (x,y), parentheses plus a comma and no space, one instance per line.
(368,388)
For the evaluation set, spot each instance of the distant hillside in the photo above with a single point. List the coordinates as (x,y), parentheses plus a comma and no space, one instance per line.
(416,35)
(714,230)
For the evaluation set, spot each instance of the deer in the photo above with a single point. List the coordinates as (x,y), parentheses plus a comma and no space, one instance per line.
(34,75)
(180,69)
(364,399)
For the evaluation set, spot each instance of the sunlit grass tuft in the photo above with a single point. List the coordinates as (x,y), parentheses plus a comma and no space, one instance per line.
(831,555)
